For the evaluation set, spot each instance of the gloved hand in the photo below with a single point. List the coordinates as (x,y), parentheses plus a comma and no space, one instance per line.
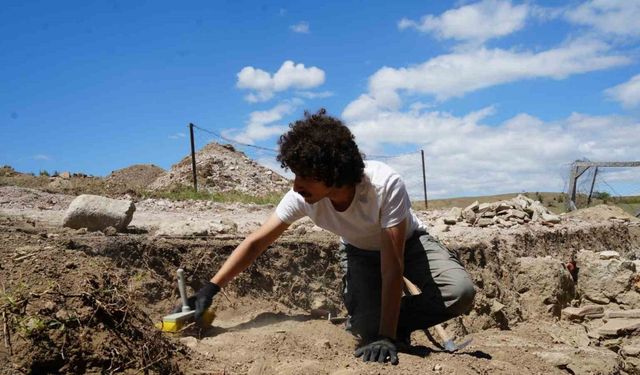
(201,301)
(379,350)
(204,297)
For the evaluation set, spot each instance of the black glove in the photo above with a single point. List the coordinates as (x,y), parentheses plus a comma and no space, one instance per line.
(203,298)
(201,301)
(379,350)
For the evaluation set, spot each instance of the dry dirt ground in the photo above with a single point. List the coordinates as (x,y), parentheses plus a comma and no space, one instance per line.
(79,302)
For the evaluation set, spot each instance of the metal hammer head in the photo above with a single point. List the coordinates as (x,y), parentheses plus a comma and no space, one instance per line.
(452,347)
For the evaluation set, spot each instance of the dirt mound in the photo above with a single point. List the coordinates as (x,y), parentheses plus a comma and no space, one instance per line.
(602,212)
(220,168)
(137,176)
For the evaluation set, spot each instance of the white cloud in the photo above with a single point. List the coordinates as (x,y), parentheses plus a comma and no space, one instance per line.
(466,157)
(41,157)
(260,125)
(272,163)
(177,136)
(289,76)
(615,17)
(627,93)
(545,13)
(301,27)
(458,73)
(314,95)
(476,22)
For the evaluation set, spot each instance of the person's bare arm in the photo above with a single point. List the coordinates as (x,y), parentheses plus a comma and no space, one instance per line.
(392,269)
(249,249)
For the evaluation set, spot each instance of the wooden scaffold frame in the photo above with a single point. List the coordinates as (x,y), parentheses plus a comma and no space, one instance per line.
(579,167)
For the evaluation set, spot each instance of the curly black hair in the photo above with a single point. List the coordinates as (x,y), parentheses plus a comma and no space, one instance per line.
(321,147)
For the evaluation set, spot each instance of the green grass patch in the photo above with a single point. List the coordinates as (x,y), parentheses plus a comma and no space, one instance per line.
(181,193)
(635,199)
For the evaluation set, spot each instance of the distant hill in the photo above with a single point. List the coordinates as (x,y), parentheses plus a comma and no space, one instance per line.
(554,201)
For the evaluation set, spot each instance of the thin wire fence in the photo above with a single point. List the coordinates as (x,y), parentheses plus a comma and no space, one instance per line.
(400,162)
(604,185)
(233,142)
(411,165)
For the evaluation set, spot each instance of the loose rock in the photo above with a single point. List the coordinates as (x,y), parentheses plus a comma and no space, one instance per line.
(97,213)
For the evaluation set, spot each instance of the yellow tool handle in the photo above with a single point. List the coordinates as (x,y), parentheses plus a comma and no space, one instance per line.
(411,287)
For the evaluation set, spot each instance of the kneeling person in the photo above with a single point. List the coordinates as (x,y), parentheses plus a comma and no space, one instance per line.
(367,205)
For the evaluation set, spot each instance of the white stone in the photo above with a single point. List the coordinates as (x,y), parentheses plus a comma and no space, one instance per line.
(618,327)
(95,212)
(473,206)
(609,254)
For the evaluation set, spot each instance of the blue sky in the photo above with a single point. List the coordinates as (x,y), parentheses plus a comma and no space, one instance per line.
(501,95)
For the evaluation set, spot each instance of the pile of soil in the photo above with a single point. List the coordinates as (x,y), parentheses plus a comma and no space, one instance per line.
(602,212)
(221,168)
(66,312)
(135,177)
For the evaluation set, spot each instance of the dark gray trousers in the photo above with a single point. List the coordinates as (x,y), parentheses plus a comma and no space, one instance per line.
(447,289)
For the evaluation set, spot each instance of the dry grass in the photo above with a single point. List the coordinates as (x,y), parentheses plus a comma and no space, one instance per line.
(553,201)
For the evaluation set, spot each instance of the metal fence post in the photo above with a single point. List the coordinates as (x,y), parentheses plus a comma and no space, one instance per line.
(424,182)
(193,159)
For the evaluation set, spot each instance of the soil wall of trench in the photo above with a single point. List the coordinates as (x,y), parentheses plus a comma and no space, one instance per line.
(304,271)
(495,266)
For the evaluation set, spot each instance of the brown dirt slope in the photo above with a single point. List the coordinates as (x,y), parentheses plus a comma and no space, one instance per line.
(136,177)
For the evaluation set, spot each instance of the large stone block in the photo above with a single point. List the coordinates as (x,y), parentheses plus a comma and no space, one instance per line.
(95,212)
(605,281)
(583,360)
(545,286)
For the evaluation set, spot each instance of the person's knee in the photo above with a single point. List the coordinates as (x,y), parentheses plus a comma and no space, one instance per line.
(365,325)
(463,294)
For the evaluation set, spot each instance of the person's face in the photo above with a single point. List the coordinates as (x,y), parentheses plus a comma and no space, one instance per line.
(311,189)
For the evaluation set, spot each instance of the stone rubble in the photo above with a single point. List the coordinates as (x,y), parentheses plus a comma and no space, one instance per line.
(503,214)
(220,168)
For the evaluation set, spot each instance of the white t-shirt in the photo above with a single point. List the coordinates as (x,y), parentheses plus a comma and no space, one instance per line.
(381,201)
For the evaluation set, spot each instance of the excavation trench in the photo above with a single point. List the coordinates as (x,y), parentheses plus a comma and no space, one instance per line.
(87,302)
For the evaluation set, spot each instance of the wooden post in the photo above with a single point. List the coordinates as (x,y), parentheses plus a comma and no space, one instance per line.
(579,167)
(576,172)
(571,202)
(193,159)
(424,182)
